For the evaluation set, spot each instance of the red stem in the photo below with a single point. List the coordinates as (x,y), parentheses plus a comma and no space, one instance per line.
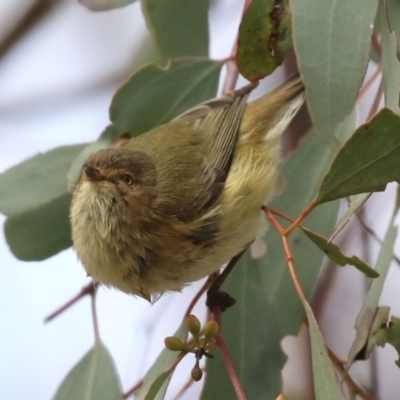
(88,289)
(227,358)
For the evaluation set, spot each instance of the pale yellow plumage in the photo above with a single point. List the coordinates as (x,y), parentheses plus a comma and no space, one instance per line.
(192,206)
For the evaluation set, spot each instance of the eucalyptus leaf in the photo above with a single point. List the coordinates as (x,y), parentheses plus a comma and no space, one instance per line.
(326,385)
(369,308)
(37,180)
(332,41)
(93,378)
(35,198)
(368,160)
(153,96)
(389,334)
(265,36)
(40,232)
(179,27)
(102,5)
(354,203)
(390,62)
(156,380)
(333,252)
(268,308)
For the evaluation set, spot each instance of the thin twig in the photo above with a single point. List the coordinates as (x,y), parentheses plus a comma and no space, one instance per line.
(227,358)
(202,290)
(353,387)
(133,389)
(373,234)
(38,10)
(375,104)
(232,72)
(94,316)
(88,289)
(368,85)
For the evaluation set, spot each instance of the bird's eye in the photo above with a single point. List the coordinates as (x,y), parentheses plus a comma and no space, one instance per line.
(127,179)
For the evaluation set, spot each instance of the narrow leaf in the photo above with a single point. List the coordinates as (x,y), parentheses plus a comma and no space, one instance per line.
(334,253)
(332,41)
(156,380)
(354,203)
(93,378)
(179,27)
(368,311)
(102,5)
(368,160)
(153,96)
(265,36)
(389,43)
(326,385)
(389,334)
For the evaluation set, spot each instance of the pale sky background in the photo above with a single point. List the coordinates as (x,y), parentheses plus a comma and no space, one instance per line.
(43,104)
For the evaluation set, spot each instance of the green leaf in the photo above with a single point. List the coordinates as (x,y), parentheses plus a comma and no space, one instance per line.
(153,96)
(391,335)
(93,378)
(179,27)
(102,5)
(265,36)
(369,308)
(36,181)
(354,203)
(367,162)
(332,41)
(267,307)
(389,45)
(40,232)
(156,380)
(333,252)
(326,385)
(34,196)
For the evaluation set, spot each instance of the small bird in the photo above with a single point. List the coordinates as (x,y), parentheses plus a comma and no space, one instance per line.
(174,204)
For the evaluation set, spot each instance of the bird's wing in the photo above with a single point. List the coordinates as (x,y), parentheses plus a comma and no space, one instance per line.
(218,121)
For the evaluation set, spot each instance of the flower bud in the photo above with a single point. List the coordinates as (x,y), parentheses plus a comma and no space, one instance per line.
(193,325)
(210,330)
(173,343)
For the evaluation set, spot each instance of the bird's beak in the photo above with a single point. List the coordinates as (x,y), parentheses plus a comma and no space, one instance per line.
(93,174)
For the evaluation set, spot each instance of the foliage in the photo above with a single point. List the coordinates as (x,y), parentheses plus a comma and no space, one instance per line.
(332,42)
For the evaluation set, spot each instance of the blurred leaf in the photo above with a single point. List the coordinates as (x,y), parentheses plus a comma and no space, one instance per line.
(326,385)
(333,252)
(93,378)
(179,27)
(354,203)
(102,5)
(153,96)
(390,334)
(37,180)
(268,307)
(380,321)
(156,380)
(368,310)
(390,62)
(332,41)
(265,36)
(393,12)
(368,160)
(40,232)
(34,196)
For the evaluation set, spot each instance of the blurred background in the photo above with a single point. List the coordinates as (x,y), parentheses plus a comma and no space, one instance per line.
(56,84)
